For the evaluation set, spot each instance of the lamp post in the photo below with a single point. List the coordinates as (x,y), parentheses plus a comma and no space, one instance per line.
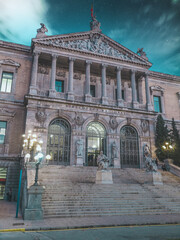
(167,147)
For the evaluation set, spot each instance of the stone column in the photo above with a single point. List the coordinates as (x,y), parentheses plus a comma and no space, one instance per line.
(119,88)
(70,94)
(33,86)
(104,97)
(88,97)
(52,91)
(148,101)
(134,93)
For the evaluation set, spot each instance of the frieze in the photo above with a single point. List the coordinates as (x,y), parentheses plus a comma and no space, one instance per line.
(60,73)
(77,76)
(95,44)
(93,79)
(43,69)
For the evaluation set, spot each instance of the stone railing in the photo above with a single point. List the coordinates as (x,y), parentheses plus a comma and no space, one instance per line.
(174,169)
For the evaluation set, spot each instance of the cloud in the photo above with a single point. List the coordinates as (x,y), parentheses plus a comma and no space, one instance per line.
(19,19)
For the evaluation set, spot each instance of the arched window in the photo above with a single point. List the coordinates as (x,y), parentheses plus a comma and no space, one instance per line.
(95,142)
(58,144)
(129,147)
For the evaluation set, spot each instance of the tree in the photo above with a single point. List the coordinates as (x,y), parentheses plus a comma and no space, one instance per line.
(161,136)
(175,140)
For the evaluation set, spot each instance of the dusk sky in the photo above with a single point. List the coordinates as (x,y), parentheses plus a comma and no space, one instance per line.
(151,24)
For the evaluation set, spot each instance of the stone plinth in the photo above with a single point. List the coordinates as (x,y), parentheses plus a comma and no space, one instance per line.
(88,98)
(120,103)
(104,177)
(157,178)
(52,93)
(116,163)
(104,100)
(70,96)
(34,211)
(79,161)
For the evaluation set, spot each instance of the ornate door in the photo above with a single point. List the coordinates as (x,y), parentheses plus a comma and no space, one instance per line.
(129,147)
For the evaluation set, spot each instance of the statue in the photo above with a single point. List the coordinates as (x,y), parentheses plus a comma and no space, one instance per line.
(142,53)
(150,163)
(41,31)
(102,161)
(79,148)
(94,24)
(114,150)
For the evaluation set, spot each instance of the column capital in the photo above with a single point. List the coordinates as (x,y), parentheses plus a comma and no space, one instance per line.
(88,62)
(119,68)
(133,70)
(54,56)
(71,59)
(146,73)
(36,53)
(104,65)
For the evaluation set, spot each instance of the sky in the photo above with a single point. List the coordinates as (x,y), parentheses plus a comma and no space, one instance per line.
(150,24)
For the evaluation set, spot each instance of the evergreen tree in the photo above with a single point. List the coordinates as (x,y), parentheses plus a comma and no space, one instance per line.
(175,139)
(161,136)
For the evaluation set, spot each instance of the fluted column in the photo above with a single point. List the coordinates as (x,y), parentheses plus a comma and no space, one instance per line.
(70,94)
(148,100)
(33,86)
(104,97)
(88,97)
(52,91)
(119,87)
(134,93)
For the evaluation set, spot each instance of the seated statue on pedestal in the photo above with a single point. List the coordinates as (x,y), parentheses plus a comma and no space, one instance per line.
(150,163)
(102,161)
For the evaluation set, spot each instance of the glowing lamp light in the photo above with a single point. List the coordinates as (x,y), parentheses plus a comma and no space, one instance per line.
(170,146)
(48,157)
(167,143)
(164,147)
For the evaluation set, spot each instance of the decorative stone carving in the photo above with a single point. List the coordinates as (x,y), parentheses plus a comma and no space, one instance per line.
(10,62)
(7,113)
(60,73)
(77,76)
(43,69)
(96,117)
(108,81)
(41,31)
(94,24)
(95,44)
(79,119)
(113,122)
(142,53)
(144,125)
(128,121)
(93,79)
(79,148)
(150,163)
(157,88)
(102,161)
(41,116)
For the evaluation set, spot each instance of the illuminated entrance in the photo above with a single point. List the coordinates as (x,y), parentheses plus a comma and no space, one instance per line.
(95,142)
(129,147)
(3,173)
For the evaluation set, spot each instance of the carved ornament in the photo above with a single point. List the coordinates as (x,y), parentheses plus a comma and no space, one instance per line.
(157,88)
(77,76)
(60,73)
(43,69)
(144,125)
(113,122)
(96,117)
(41,31)
(10,62)
(93,79)
(128,121)
(78,119)
(41,116)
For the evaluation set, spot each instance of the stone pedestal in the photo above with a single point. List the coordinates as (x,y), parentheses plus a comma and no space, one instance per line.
(79,161)
(34,211)
(149,107)
(135,105)
(116,163)
(104,177)
(88,98)
(70,96)
(33,90)
(120,103)
(157,178)
(105,100)
(52,93)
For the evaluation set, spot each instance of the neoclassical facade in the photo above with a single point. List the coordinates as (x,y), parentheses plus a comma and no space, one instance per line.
(82,93)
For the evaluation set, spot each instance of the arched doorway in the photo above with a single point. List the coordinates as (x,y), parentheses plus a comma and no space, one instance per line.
(58,144)
(129,147)
(95,142)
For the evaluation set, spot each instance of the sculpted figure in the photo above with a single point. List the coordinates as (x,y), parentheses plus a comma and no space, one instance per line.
(79,148)
(94,24)
(102,161)
(114,150)
(41,31)
(150,163)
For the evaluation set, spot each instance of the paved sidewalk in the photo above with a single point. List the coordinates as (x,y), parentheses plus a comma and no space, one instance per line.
(8,220)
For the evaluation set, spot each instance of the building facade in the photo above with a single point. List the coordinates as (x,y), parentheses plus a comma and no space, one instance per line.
(82,93)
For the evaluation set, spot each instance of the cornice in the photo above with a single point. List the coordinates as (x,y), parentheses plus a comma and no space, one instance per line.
(15,46)
(164,76)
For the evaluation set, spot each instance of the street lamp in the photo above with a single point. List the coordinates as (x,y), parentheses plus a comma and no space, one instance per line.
(32,150)
(167,147)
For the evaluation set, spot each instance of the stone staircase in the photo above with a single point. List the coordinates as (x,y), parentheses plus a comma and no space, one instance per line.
(72,192)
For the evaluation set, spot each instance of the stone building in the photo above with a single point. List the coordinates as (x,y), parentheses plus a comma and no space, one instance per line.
(83,93)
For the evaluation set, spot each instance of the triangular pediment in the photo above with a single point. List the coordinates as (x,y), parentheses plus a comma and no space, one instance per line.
(10,62)
(95,43)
